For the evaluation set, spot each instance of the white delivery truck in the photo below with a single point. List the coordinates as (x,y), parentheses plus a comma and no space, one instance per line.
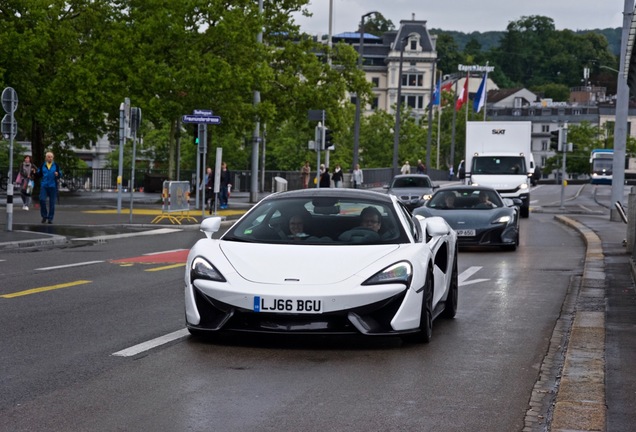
(498,154)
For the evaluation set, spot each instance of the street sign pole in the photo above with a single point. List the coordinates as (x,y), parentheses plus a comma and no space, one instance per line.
(10,104)
(124,113)
(203,118)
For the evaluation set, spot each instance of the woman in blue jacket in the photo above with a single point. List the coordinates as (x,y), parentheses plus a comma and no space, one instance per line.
(50,173)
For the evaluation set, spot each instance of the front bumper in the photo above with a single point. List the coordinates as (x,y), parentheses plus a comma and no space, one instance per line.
(377,318)
(496,236)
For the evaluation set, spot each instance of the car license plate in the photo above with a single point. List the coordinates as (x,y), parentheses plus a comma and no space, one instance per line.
(269,304)
(465,232)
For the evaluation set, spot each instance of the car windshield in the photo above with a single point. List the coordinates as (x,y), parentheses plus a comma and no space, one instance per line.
(452,199)
(319,221)
(503,165)
(411,182)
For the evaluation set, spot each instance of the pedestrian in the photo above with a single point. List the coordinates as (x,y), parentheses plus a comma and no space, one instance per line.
(421,168)
(337,176)
(226,184)
(50,173)
(451,174)
(357,177)
(406,168)
(207,185)
(305,171)
(325,179)
(25,181)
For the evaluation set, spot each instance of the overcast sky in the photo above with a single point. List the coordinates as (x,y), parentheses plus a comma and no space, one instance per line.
(465,15)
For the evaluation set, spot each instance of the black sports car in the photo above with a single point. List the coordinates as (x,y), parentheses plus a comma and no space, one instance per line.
(479,215)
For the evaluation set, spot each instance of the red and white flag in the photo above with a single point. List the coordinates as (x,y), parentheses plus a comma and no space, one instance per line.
(463,95)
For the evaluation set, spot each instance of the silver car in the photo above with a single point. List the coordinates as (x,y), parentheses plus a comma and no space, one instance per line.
(412,189)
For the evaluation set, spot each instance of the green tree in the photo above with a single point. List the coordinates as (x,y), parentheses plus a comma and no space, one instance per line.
(377,25)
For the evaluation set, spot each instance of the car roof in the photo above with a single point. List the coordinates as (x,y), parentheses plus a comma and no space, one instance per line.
(465,188)
(344,193)
(411,175)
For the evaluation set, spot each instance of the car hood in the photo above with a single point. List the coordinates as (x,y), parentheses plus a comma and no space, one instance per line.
(309,265)
(463,219)
(410,191)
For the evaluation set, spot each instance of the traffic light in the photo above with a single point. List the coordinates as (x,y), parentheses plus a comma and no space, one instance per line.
(554,140)
(195,134)
(328,138)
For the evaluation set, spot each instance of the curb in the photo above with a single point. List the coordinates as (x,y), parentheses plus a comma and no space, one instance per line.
(580,402)
(49,240)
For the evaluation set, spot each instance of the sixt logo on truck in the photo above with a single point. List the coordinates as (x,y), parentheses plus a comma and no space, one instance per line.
(498,131)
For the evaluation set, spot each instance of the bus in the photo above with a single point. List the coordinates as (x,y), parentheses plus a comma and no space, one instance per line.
(601,161)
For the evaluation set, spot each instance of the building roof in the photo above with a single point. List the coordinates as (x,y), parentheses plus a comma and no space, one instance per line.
(499,95)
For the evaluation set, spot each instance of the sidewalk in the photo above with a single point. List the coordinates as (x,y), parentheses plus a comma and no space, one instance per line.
(83,213)
(594,338)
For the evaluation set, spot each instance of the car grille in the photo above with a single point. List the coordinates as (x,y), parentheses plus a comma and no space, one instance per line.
(374,319)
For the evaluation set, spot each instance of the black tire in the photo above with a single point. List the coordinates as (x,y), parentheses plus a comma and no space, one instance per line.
(425,332)
(512,247)
(525,211)
(450,308)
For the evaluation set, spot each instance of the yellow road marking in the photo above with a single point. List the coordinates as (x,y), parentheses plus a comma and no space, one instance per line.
(46,288)
(156,212)
(168,267)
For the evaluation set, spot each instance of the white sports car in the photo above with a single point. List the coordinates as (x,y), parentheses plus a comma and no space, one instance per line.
(324,261)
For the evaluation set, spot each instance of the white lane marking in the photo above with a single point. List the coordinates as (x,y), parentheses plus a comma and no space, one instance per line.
(163,252)
(467,274)
(135,234)
(68,265)
(153,343)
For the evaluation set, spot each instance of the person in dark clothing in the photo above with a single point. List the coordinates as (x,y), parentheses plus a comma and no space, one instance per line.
(208,189)
(226,184)
(337,177)
(325,178)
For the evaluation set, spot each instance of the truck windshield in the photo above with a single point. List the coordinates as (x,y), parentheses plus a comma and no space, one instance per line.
(504,165)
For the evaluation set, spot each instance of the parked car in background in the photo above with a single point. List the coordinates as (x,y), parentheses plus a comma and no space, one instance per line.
(412,189)
(479,215)
(323,262)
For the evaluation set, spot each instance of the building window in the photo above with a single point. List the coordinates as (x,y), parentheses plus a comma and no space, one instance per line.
(413,101)
(545,128)
(413,45)
(413,80)
(544,145)
(353,99)
(375,82)
(375,103)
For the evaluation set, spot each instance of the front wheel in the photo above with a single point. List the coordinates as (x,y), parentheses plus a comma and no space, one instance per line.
(525,211)
(425,332)
(450,308)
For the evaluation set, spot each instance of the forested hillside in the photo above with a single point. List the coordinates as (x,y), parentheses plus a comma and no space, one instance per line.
(491,39)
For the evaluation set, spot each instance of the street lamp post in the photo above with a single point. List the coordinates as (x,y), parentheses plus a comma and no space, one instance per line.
(396,131)
(356,126)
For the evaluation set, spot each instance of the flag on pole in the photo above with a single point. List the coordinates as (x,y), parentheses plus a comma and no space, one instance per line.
(463,95)
(437,93)
(480,99)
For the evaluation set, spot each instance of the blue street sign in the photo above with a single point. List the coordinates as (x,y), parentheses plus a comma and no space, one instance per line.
(201,119)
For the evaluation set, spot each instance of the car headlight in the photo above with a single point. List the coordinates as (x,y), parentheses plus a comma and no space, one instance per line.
(202,269)
(502,220)
(523,186)
(427,197)
(397,273)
